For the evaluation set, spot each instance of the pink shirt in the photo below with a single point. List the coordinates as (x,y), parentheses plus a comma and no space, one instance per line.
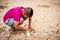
(15,13)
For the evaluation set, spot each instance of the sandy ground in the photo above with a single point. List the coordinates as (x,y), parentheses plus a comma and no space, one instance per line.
(45,21)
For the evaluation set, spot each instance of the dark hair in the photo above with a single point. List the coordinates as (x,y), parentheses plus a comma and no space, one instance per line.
(29,11)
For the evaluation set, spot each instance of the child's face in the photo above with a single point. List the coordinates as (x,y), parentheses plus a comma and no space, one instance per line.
(24,14)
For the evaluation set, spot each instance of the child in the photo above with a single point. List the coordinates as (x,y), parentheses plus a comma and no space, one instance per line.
(16,16)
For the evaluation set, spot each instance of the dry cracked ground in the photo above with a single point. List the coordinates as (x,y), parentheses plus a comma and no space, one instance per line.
(45,21)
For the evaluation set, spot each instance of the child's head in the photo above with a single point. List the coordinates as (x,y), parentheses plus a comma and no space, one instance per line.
(27,12)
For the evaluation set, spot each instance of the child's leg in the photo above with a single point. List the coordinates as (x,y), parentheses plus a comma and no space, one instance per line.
(10,22)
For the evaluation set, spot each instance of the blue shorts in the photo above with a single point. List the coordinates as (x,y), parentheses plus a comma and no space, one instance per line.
(10,21)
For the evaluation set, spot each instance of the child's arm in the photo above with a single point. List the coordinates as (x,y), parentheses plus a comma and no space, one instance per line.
(30,20)
(16,26)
